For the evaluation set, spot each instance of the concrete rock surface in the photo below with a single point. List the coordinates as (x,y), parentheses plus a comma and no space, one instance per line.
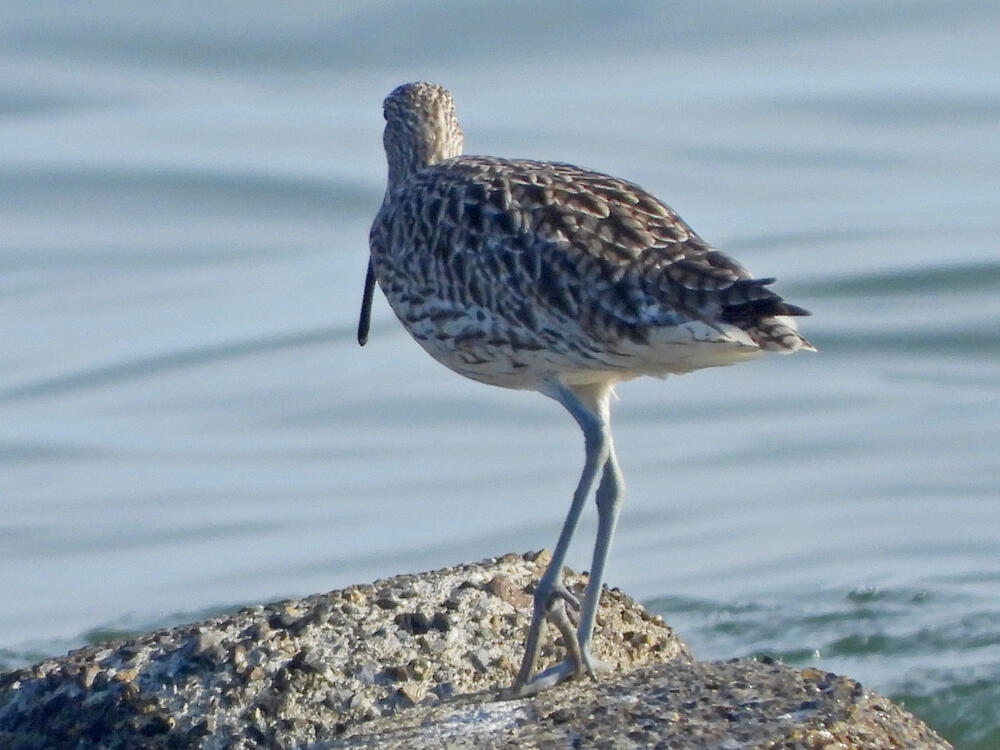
(423,661)
(679,705)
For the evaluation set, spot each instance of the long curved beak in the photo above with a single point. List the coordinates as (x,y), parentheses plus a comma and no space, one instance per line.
(366,305)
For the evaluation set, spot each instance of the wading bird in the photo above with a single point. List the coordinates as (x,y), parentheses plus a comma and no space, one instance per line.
(548,277)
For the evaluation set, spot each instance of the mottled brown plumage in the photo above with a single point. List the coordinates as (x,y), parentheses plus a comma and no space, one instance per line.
(546,276)
(513,271)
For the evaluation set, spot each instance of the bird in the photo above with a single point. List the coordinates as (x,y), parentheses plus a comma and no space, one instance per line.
(548,277)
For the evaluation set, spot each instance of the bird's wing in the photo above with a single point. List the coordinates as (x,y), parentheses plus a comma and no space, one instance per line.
(520,236)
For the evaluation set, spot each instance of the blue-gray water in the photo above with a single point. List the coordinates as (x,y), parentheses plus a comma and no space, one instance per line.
(186,421)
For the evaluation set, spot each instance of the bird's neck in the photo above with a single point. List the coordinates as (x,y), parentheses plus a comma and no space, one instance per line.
(429,148)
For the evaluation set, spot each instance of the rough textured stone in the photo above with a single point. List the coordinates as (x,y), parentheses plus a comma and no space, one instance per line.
(679,705)
(423,660)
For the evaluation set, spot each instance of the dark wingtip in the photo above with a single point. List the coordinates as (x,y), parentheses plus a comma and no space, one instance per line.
(795,310)
(758,302)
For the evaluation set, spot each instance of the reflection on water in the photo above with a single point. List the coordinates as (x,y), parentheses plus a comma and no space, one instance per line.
(186,422)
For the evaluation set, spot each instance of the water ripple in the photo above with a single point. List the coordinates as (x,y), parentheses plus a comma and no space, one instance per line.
(151,187)
(137,369)
(945,279)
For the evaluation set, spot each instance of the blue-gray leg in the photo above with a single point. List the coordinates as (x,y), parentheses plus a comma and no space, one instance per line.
(610,494)
(589,407)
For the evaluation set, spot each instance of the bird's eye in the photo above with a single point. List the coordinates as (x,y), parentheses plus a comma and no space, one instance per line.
(385,115)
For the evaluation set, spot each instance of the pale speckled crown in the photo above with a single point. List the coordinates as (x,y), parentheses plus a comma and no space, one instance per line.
(420,129)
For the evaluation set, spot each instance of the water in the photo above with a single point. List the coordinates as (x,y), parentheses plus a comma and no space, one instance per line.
(187,425)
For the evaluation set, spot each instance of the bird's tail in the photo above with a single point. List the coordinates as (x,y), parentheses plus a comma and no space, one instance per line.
(779,334)
(767,318)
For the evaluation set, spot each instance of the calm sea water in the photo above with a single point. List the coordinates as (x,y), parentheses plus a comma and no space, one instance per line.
(187,424)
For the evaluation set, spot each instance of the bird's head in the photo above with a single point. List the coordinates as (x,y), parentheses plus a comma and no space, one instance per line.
(420,129)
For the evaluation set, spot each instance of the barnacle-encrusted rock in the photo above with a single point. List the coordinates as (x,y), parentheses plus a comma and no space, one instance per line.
(422,661)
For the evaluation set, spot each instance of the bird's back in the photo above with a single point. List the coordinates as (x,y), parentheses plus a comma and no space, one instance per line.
(512,271)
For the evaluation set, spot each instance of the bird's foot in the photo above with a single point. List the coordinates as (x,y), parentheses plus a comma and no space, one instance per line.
(550,606)
(564,670)
(549,597)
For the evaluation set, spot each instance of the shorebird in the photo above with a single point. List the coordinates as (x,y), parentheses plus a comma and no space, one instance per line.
(549,277)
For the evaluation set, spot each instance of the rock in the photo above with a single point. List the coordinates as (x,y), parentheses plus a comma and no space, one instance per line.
(424,660)
(677,705)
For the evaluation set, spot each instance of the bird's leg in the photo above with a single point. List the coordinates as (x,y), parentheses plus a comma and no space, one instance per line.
(551,595)
(610,494)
